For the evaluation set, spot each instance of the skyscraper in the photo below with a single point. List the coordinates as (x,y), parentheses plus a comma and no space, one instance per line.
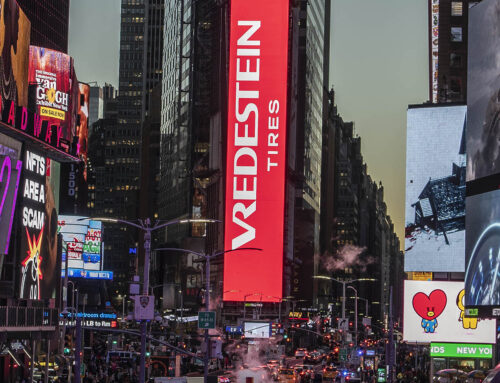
(49,22)
(308,86)
(141,43)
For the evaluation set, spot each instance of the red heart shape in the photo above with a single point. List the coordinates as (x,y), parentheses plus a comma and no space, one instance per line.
(429,307)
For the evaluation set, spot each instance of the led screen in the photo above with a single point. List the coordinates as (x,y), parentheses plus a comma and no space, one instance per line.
(10,175)
(40,265)
(257,330)
(482,279)
(83,239)
(15,38)
(256,139)
(51,72)
(483,91)
(434,37)
(435,189)
(434,312)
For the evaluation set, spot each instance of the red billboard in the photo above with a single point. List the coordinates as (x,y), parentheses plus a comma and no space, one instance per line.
(51,71)
(256,144)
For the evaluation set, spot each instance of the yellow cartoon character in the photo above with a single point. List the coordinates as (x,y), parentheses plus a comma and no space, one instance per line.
(466,322)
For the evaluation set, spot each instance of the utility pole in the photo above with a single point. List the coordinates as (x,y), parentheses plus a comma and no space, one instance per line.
(389,355)
(78,342)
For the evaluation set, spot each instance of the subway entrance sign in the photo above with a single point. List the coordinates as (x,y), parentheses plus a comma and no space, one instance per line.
(461,350)
(206,319)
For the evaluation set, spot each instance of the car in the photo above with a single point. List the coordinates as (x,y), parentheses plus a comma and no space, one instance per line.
(300,352)
(273,364)
(330,373)
(313,357)
(286,375)
(304,372)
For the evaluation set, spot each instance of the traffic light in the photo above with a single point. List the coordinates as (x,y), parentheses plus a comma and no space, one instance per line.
(68,344)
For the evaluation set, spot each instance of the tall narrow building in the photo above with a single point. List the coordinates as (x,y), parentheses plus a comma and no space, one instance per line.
(141,43)
(308,86)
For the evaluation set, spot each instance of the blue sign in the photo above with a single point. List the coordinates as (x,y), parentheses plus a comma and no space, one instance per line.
(370,352)
(132,250)
(98,315)
(234,329)
(88,274)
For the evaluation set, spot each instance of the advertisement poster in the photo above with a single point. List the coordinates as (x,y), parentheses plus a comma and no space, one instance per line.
(10,177)
(51,72)
(40,267)
(483,250)
(483,91)
(256,146)
(435,312)
(435,189)
(14,60)
(83,240)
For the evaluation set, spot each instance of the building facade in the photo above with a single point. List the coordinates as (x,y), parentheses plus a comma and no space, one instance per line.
(49,23)
(448,31)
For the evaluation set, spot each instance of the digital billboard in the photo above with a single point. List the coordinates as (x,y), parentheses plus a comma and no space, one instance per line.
(483,91)
(51,72)
(15,31)
(256,145)
(434,312)
(10,176)
(435,189)
(82,244)
(40,266)
(83,241)
(74,175)
(483,250)
(260,330)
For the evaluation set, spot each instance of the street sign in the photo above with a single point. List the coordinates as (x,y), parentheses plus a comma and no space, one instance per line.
(343,354)
(343,324)
(206,319)
(144,307)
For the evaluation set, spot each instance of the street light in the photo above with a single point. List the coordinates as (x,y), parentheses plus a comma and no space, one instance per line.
(146,226)
(207,288)
(344,283)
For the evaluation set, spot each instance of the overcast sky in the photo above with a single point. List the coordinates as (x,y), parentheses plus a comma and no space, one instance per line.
(378,66)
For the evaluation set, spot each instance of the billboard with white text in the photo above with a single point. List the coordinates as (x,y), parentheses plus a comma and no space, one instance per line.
(256,145)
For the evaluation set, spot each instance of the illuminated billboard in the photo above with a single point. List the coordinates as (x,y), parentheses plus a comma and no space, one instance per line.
(38,230)
(83,246)
(483,91)
(256,145)
(435,312)
(435,189)
(483,250)
(51,72)
(15,31)
(261,330)
(83,241)
(10,176)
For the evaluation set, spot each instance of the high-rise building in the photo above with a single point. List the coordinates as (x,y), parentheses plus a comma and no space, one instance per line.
(309,43)
(448,31)
(140,70)
(96,104)
(192,127)
(49,22)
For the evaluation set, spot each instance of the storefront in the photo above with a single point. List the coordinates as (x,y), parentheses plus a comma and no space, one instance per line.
(465,357)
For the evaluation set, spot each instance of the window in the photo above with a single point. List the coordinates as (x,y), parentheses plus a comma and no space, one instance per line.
(456,34)
(455,60)
(456,8)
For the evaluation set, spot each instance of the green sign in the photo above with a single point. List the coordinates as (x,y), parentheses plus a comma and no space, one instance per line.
(460,350)
(381,375)
(343,354)
(206,319)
